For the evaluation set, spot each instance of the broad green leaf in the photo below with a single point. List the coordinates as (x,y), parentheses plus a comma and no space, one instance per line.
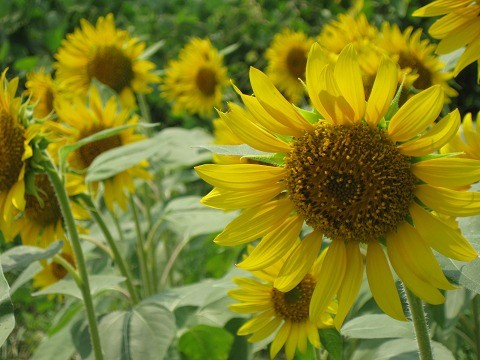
(26,63)
(205,342)
(7,319)
(241,349)
(235,150)
(98,283)
(462,273)
(143,333)
(58,346)
(332,342)
(26,275)
(19,257)
(377,326)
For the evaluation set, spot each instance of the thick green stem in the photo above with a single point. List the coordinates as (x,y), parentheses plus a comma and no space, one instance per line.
(420,325)
(84,285)
(124,269)
(476,321)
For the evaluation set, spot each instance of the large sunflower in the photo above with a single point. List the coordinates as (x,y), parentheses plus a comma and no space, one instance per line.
(286,313)
(16,137)
(416,58)
(458,28)
(194,83)
(287,60)
(109,55)
(353,176)
(78,120)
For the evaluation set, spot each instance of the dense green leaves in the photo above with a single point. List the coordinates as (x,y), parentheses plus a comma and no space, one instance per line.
(7,319)
(205,342)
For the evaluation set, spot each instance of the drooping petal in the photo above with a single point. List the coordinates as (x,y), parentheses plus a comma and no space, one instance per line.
(449,202)
(381,282)
(440,236)
(280,339)
(419,112)
(266,330)
(256,323)
(471,54)
(316,61)
(440,7)
(292,341)
(299,262)
(447,172)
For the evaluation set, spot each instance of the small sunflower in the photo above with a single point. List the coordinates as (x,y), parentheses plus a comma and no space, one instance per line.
(42,91)
(287,60)
(283,312)
(109,55)
(78,120)
(458,28)
(353,176)
(468,140)
(53,272)
(416,58)
(194,83)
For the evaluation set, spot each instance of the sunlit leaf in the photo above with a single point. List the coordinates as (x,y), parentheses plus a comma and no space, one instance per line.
(19,257)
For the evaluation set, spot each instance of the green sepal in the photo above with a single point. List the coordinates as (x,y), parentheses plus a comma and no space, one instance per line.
(416,159)
(312,117)
(277,159)
(392,110)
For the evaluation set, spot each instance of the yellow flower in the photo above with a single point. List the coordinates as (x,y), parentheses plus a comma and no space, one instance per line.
(416,59)
(458,28)
(78,120)
(194,83)
(109,55)
(286,313)
(287,59)
(354,177)
(467,141)
(42,91)
(15,151)
(53,272)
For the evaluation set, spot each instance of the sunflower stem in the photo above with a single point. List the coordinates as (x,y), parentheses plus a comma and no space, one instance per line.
(476,321)
(74,238)
(418,315)
(118,258)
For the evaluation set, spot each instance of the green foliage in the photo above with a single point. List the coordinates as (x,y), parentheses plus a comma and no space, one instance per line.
(205,342)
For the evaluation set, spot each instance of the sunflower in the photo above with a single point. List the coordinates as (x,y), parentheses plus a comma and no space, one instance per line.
(16,149)
(53,272)
(42,91)
(78,120)
(283,312)
(469,143)
(353,176)
(109,55)
(416,58)
(287,59)
(458,28)
(194,83)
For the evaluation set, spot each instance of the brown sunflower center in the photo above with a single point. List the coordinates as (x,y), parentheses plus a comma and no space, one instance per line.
(206,81)
(297,62)
(47,211)
(424,80)
(90,151)
(349,182)
(294,304)
(58,270)
(111,67)
(11,151)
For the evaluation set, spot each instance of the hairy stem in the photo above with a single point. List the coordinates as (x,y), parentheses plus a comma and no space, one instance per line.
(420,325)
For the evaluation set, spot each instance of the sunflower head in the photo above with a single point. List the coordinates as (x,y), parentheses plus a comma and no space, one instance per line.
(42,90)
(194,82)
(107,54)
(53,271)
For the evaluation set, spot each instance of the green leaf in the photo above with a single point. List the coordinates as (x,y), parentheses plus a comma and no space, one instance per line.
(26,63)
(58,346)
(235,150)
(7,319)
(26,275)
(98,283)
(143,333)
(377,326)
(205,342)
(332,342)
(19,257)
(462,273)
(229,49)
(152,49)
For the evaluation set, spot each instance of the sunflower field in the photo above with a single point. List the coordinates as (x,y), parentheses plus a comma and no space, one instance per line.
(239,179)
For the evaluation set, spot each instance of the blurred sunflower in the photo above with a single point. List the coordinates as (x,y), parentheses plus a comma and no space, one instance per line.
(109,55)
(287,60)
(286,313)
(78,120)
(194,83)
(467,141)
(354,177)
(416,58)
(458,28)
(42,91)
(16,139)
(53,271)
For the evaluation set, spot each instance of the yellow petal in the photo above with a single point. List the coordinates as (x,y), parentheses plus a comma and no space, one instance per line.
(461,37)
(440,7)
(255,222)
(419,112)
(448,172)
(449,202)
(331,278)
(256,323)
(302,338)
(249,308)
(316,61)
(439,135)
(383,91)
(454,22)
(274,245)
(299,262)
(471,54)
(381,282)
(280,339)
(440,236)
(312,334)
(266,330)
(292,341)
(348,292)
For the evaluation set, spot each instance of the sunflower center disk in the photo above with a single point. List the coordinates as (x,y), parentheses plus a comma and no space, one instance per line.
(206,81)
(11,151)
(296,63)
(90,151)
(111,67)
(58,270)
(46,212)
(349,182)
(294,304)
(424,80)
